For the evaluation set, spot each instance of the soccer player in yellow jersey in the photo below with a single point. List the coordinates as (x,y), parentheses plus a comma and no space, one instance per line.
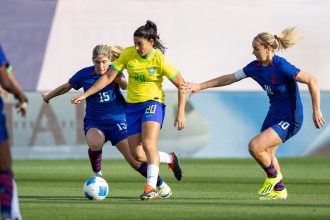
(146,66)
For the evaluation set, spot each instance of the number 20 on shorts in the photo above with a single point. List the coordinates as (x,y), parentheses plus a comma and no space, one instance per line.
(151,109)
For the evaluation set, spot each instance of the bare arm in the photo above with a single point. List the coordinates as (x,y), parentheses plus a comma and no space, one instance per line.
(304,77)
(4,93)
(18,93)
(121,81)
(102,82)
(216,82)
(14,80)
(219,81)
(66,87)
(180,119)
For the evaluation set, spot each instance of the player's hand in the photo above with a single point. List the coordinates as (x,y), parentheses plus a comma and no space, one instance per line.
(44,97)
(180,121)
(22,108)
(78,99)
(188,87)
(318,119)
(4,93)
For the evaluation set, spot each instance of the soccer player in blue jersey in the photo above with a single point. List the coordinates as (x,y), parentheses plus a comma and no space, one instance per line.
(146,66)
(279,79)
(9,71)
(105,118)
(8,191)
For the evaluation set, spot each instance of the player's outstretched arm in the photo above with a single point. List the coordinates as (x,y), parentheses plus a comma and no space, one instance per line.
(104,80)
(62,89)
(193,88)
(304,77)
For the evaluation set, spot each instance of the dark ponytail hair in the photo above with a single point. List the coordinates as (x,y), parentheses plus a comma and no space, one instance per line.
(149,31)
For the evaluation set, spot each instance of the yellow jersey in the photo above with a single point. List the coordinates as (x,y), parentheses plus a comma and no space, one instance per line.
(145,74)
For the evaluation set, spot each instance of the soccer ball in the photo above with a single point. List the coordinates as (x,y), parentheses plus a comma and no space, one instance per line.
(96,188)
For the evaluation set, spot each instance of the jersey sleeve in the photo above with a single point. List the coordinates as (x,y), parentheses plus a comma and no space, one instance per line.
(75,81)
(120,64)
(3,60)
(168,69)
(239,74)
(288,69)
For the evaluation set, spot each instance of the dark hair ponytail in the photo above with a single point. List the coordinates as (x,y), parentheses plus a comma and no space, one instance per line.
(149,31)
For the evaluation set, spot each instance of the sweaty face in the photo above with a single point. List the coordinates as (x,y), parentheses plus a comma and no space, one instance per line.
(101,63)
(260,51)
(143,46)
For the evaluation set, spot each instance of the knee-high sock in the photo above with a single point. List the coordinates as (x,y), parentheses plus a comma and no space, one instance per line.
(6,193)
(143,171)
(15,211)
(271,171)
(152,174)
(95,158)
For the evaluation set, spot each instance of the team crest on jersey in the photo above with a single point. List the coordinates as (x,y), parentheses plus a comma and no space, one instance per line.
(151,71)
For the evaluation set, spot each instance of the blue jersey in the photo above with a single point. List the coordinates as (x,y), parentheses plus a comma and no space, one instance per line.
(106,106)
(278,80)
(3,129)
(3,60)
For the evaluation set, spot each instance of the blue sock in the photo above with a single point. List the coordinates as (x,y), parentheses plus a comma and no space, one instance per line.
(6,192)
(95,158)
(143,171)
(271,171)
(279,186)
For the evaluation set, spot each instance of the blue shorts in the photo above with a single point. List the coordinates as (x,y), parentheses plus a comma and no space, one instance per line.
(3,128)
(284,128)
(112,132)
(137,113)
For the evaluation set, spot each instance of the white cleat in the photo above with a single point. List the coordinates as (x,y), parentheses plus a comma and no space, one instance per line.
(164,191)
(99,174)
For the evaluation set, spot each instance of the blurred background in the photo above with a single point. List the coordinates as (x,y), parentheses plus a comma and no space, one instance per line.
(47,41)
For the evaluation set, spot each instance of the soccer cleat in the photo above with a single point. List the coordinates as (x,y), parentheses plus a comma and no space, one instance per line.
(164,191)
(149,193)
(269,184)
(175,167)
(99,173)
(275,195)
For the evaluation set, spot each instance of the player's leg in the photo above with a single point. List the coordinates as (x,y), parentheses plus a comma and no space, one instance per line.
(141,167)
(272,153)
(279,191)
(150,134)
(6,184)
(259,148)
(8,198)
(135,118)
(171,159)
(95,140)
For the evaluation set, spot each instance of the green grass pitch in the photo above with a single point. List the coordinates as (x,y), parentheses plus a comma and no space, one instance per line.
(210,189)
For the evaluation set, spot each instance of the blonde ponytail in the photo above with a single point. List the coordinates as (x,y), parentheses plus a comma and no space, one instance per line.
(287,38)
